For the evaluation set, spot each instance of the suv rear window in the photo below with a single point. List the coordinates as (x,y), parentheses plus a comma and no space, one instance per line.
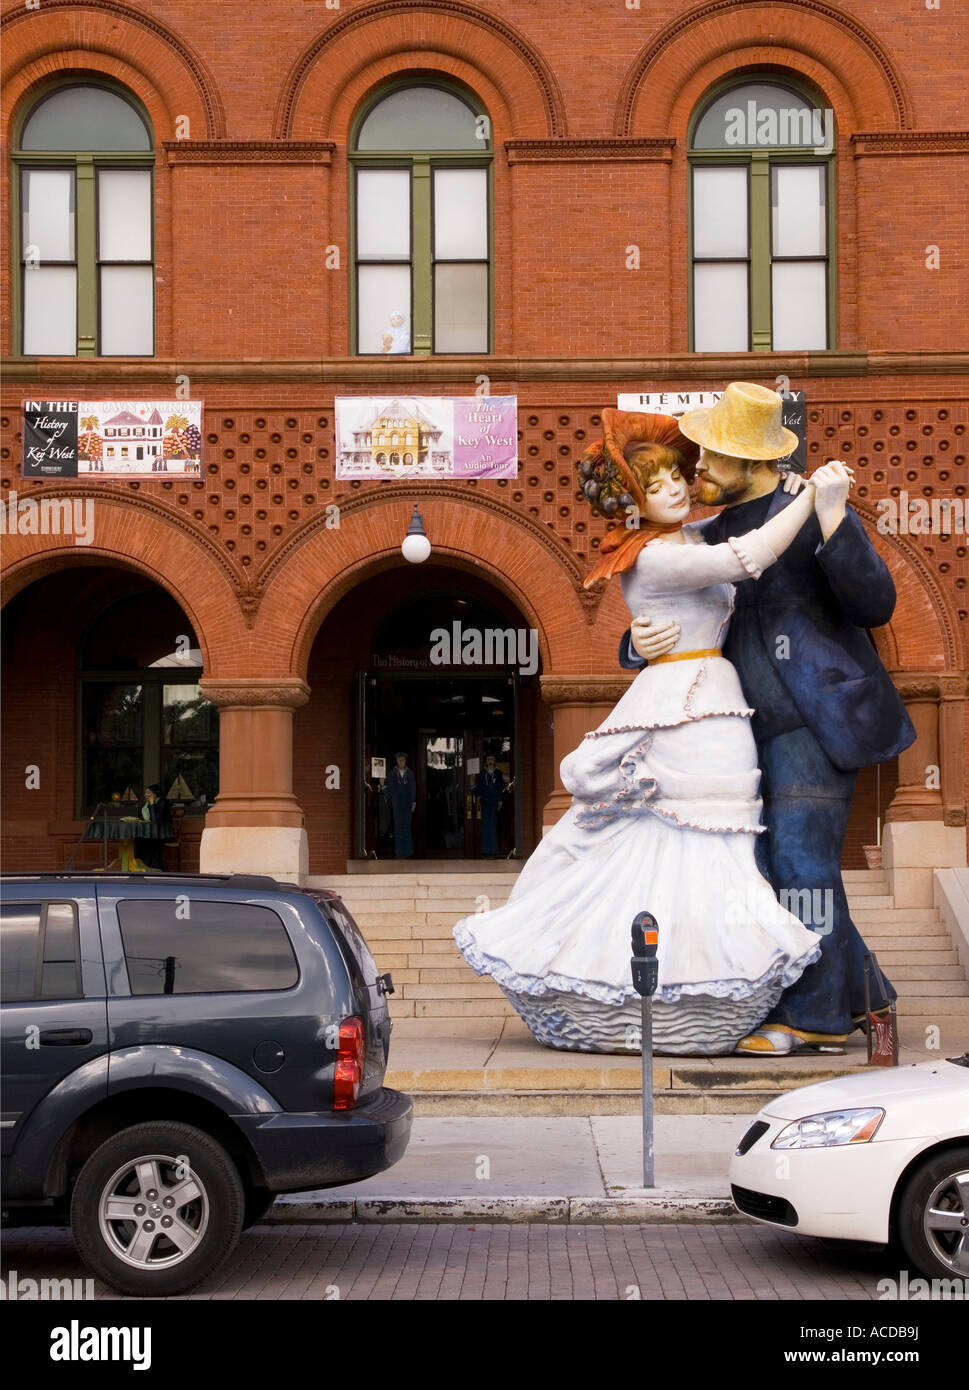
(187,946)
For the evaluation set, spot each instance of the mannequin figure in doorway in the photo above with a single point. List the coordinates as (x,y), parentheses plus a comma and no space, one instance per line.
(489,787)
(401,790)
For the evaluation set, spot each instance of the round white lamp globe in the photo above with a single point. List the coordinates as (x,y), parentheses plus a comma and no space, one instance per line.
(416,547)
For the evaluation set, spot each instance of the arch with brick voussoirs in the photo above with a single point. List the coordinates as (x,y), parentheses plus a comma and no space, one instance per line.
(64,39)
(341,66)
(834,51)
(319,566)
(160,547)
(923,624)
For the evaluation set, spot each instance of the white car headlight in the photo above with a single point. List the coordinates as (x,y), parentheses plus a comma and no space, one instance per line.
(831,1128)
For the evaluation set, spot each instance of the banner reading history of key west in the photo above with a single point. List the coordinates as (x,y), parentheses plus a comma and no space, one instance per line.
(427,437)
(80,439)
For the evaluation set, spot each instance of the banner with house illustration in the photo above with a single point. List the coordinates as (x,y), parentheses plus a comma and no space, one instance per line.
(69,439)
(426,437)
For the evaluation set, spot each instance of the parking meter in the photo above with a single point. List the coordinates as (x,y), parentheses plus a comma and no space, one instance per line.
(645,970)
(645,966)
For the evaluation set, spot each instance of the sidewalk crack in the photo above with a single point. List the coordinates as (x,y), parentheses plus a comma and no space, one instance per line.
(504,1023)
(595,1149)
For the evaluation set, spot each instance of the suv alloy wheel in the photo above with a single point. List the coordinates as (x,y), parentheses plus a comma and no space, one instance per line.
(157,1208)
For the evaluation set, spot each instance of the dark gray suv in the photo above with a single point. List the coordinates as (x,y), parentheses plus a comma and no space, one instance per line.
(176,1051)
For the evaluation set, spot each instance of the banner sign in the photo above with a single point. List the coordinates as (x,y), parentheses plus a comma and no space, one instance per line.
(793,415)
(50,439)
(79,439)
(426,437)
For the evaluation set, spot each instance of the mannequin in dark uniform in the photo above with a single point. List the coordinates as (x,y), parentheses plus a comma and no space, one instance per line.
(489,786)
(401,790)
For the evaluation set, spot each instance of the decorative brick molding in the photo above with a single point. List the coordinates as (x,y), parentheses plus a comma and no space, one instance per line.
(249,151)
(446,492)
(902,142)
(427,11)
(65,373)
(629,151)
(730,10)
(204,81)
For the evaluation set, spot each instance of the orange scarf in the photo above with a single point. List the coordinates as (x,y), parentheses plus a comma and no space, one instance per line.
(619,551)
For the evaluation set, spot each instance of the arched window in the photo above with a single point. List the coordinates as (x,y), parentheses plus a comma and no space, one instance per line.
(762,228)
(84,158)
(421,223)
(143,717)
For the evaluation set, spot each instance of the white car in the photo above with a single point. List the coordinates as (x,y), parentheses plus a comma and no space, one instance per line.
(867,1157)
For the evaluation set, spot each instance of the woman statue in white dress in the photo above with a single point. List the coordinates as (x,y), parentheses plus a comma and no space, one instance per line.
(665,801)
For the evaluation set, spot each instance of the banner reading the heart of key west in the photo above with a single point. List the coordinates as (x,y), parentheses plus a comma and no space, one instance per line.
(426,437)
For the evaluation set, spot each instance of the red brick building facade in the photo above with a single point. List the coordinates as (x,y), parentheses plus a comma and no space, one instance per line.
(590,108)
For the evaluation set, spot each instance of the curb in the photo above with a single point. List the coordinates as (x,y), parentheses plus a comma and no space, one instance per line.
(662,1209)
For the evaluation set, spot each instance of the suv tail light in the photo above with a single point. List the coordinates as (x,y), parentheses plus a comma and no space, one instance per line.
(349,1064)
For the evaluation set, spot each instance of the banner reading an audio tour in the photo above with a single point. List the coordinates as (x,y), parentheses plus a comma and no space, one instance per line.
(427,437)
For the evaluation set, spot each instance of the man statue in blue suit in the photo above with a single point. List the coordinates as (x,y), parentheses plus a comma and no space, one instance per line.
(489,788)
(825,706)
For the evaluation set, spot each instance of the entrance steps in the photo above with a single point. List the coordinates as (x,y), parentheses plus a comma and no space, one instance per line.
(459,1048)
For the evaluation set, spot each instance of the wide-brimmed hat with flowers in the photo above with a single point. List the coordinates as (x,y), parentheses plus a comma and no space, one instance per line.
(611,485)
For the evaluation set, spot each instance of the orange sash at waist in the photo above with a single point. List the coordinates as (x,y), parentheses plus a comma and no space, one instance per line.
(686,656)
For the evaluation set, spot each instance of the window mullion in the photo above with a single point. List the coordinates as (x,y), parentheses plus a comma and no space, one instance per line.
(85,224)
(151,729)
(760,267)
(421,251)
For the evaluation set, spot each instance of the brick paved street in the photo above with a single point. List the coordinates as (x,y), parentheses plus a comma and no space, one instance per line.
(423,1261)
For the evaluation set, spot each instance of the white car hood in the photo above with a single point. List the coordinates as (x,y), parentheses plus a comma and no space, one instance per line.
(929,1095)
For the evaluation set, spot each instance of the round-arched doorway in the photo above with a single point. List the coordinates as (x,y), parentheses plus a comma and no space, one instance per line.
(434,674)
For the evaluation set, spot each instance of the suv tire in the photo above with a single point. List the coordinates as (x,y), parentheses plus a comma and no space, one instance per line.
(144,1183)
(259,1200)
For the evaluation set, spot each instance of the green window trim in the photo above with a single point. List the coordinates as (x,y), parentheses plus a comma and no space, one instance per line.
(760,260)
(85,164)
(422,165)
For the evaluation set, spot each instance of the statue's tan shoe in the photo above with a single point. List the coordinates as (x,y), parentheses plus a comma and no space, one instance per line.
(777,1040)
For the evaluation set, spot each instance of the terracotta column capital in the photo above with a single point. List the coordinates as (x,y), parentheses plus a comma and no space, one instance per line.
(264,692)
(917,685)
(585,690)
(954,685)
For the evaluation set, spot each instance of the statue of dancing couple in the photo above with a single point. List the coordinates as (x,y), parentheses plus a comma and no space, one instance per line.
(716,794)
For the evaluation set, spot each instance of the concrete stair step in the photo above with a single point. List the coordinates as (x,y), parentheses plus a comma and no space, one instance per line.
(565,1086)
(914,955)
(908,971)
(897,922)
(711,1102)
(938,988)
(933,944)
(933,1004)
(360,881)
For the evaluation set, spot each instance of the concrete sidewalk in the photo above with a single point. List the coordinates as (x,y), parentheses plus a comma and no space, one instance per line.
(560,1169)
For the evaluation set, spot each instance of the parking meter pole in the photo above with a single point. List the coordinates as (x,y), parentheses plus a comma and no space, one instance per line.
(645,972)
(647,1004)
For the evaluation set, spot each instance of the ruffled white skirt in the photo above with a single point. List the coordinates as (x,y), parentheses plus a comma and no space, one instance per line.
(662,819)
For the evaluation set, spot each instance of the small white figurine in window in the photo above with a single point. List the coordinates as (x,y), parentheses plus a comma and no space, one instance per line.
(398,339)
